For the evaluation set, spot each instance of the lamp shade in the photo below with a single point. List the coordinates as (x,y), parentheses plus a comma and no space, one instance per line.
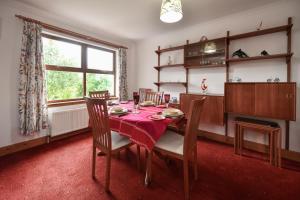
(210,47)
(171,11)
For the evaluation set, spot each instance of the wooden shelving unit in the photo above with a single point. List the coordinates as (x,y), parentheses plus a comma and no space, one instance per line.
(283,55)
(261,32)
(159,67)
(196,66)
(159,51)
(171,83)
(168,66)
(287,56)
(194,55)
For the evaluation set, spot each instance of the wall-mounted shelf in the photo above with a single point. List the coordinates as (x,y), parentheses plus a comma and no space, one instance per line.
(275,56)
(197,66)
(169,49)
(171,83)
(206,55)
(168,66)
(261,32)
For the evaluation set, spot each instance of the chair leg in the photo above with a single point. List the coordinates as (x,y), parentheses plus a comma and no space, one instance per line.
(138,156)
(186,178)
(107,172)
(93,161)
(195,164)
(148,177)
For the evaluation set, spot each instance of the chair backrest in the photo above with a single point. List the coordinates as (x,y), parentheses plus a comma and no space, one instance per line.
(190,137)
(142,93)
(99,94)
(156,97)
(99,119)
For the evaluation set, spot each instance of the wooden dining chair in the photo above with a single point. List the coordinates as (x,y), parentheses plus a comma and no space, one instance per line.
(142,93)
(156,97)
(183,147)
(109,142)
(100,94)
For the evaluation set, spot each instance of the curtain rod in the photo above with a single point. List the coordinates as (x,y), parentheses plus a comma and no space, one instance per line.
(68,32)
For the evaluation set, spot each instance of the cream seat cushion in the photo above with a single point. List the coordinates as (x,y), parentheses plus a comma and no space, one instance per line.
(118,141)
(172,142)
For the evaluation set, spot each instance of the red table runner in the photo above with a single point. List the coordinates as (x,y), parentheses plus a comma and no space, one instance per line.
(138,127)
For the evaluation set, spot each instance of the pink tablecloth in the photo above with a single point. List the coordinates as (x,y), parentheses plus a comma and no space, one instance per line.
(138,127)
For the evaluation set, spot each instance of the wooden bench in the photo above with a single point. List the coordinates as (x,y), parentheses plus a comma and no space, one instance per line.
(271,129)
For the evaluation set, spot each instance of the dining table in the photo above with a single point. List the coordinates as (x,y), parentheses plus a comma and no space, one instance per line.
(141,128)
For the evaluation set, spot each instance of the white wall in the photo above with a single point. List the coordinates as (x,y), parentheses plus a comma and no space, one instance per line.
(274,14)
(10,45)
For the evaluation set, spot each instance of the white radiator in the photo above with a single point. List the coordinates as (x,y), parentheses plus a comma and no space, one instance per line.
(68,120)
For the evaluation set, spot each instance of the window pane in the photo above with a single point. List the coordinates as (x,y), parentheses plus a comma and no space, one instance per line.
(98,59)
(99,82)
(64,85)
(61,53)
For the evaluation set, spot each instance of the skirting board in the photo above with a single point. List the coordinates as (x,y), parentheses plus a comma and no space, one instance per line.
(37,142)
(22,146)
(290,155)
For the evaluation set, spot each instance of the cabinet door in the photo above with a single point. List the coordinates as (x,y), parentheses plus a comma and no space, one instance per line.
(213,108)
(185,102)
(239,98)
(275,100)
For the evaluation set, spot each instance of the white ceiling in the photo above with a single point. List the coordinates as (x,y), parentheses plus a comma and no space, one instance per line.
(138,19)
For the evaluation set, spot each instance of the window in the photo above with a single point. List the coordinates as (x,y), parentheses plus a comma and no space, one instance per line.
(74,69)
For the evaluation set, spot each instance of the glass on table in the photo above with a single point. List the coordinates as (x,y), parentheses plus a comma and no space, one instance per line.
(136,99)
(167,99)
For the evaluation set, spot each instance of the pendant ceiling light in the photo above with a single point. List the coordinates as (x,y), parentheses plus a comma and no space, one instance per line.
(171,11)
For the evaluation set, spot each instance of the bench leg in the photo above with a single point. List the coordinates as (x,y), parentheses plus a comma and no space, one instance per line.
(271,150)
(241,140)
(236,139)
(279,148)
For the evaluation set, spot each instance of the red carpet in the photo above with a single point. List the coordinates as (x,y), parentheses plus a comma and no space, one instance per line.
(62,170)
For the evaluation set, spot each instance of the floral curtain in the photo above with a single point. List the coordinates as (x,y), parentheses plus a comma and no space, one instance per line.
(32,91)
(123,88)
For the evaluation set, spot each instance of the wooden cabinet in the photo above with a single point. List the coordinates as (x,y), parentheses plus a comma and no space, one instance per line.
(237,92)
(270,100)
(213,109)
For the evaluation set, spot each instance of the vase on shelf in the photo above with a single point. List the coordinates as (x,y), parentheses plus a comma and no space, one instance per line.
(204,86)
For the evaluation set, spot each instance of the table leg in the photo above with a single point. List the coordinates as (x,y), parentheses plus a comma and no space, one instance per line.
(148,169)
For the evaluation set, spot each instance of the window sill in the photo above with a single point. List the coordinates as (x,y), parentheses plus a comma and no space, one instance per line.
(74,102)
(65,103)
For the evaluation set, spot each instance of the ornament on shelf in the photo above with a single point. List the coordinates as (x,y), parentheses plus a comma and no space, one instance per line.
(237,79)
(169,60)
(264,53)
(259,26)
(276,79)
(239,53)
(203,38)
(204,86)
(269,79)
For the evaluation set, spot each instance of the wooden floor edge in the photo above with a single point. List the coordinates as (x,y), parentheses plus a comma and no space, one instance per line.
(287,154)
(10,149)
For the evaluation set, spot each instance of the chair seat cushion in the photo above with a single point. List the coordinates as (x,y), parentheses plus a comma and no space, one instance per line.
(172,142)
(118,141)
